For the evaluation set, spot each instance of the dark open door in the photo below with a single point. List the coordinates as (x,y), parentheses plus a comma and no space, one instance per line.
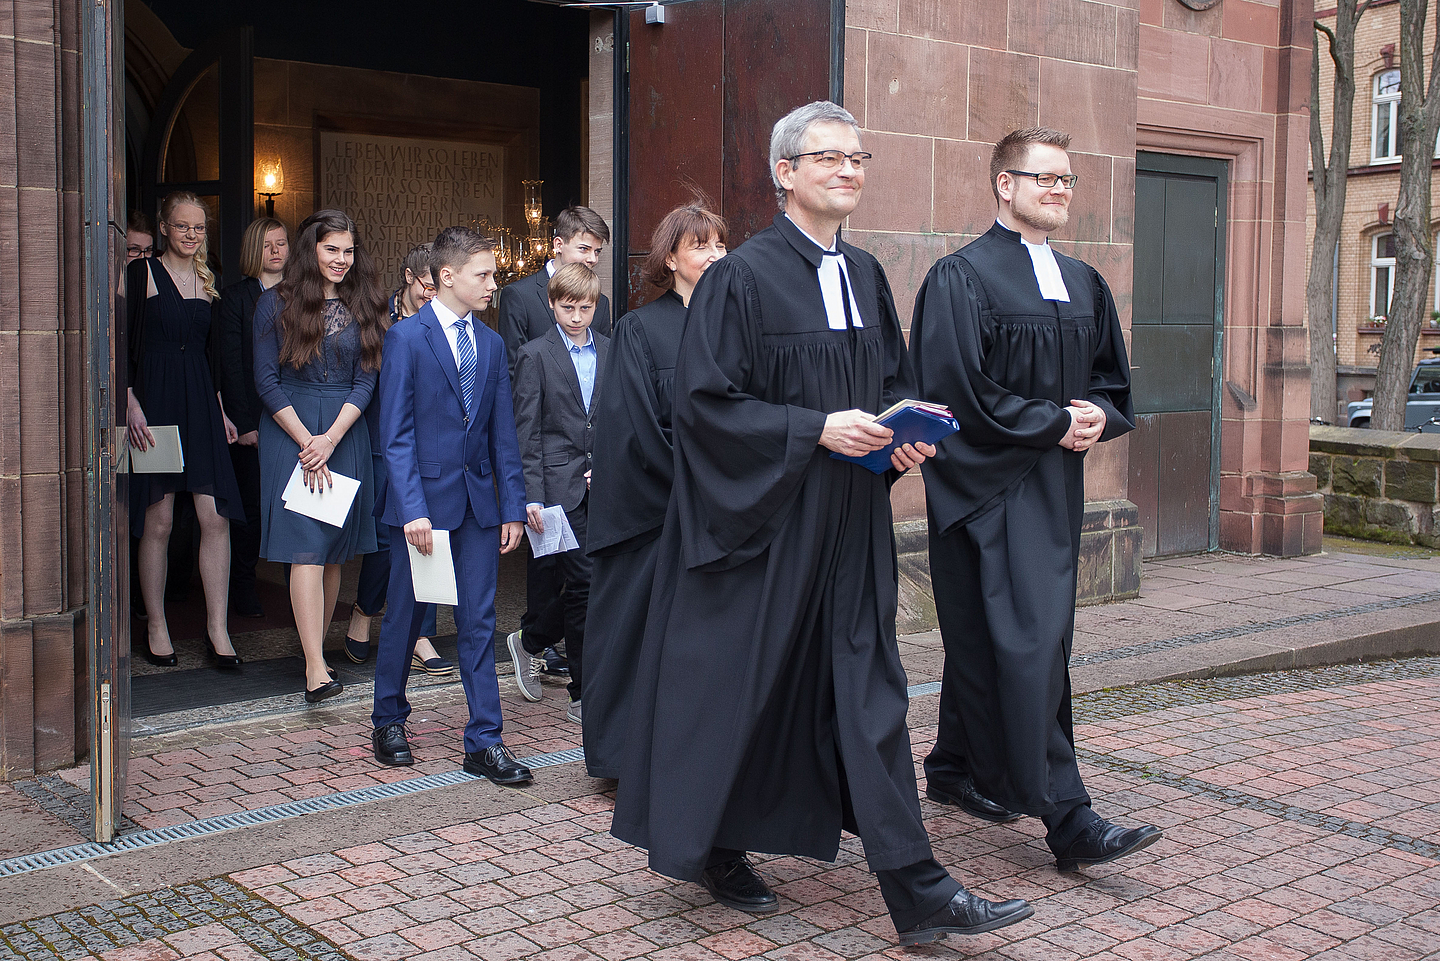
(202,139)
(1176,334)
(705,87)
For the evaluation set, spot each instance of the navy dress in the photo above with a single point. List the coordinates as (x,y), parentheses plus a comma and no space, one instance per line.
(317,392)
(171,379)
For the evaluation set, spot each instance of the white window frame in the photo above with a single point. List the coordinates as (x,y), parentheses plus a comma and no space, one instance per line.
(1389,103)
(1377,264)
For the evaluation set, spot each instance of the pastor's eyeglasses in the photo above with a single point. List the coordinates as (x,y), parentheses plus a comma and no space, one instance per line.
(1048,180)
(831,159)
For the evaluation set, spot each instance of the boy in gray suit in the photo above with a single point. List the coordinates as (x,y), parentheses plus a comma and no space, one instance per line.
(556,377)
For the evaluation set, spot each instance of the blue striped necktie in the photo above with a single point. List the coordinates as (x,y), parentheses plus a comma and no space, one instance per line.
(465,350)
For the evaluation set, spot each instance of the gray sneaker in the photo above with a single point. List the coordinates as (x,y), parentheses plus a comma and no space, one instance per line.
(573,712)
(525,678)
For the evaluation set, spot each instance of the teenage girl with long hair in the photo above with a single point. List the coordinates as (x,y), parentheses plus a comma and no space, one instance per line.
(168,307)
(318,336)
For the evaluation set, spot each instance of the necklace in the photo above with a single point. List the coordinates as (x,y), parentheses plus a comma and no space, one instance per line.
(188,290)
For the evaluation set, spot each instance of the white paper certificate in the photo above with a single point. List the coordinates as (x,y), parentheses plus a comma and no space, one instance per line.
(163,457)
(433,577)
(558,536)
(328,504)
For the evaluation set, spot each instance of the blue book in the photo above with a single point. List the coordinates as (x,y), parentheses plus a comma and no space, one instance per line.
(912,421)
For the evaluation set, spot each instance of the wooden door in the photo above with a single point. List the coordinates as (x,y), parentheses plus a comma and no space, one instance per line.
(1176,335)
(704,89)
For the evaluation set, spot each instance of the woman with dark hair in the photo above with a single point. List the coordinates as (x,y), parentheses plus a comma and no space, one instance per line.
(632,474)
(168,311)
(318,336)
(263,251)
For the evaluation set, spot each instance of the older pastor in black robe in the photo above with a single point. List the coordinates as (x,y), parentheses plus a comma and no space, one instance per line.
(1005,505)
(634,466)
(770,706)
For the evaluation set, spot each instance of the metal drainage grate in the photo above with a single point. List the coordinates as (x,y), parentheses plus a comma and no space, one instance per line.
(279,812)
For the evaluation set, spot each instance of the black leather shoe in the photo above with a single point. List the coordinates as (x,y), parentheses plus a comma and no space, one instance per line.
(226,662)
(328,689)
(736,885)
(1102,842)
(160,660)
(391,746)
(967,914)
(245,604)
(496,763)
(964,795)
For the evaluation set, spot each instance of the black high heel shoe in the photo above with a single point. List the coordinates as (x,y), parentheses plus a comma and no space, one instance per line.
(225,662)
(159,660)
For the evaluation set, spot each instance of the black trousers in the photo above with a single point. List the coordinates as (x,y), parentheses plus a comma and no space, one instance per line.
(544,620)
(245,535)
(572,573)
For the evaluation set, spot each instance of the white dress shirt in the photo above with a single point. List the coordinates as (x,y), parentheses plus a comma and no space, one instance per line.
(831,288)
(1047,271)
(448,323)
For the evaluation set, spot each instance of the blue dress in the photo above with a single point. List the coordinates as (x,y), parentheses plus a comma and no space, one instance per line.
(317,392)
(171,380)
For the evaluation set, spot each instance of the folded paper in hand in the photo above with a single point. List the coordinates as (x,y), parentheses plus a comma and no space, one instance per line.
(325,503)
(165,456)
(433,577)
(913,421)
(558,536)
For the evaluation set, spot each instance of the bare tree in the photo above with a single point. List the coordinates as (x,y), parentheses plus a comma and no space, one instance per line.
(1414,246)
(1329,182)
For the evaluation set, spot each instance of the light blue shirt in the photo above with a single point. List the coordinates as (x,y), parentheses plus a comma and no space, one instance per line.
(585,360)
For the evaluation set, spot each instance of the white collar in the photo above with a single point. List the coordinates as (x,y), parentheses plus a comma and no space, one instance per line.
(1047,269)
(446,316)
(834,244)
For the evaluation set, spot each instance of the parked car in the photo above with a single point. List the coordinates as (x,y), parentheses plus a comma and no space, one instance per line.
(1421,406)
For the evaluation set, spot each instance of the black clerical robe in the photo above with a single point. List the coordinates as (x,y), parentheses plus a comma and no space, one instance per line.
(770,705)
(634,466)
(1005,502)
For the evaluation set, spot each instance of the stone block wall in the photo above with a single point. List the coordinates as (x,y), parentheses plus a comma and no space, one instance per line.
(1379,485)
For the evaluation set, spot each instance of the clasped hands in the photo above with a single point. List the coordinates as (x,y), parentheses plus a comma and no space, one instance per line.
(313,458)
(1087,423)
(855,433)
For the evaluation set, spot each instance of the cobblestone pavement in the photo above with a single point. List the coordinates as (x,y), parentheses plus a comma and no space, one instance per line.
(1301,811)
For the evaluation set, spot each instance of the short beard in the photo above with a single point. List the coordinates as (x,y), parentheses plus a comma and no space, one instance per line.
(1046,225)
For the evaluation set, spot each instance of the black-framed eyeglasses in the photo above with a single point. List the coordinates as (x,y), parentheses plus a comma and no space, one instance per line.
(135,250)
(1048,180)
(831,159)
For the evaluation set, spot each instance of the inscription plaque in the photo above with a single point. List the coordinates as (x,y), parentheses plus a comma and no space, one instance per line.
(402,191)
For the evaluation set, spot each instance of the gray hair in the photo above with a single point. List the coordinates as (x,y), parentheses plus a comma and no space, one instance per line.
(788,136)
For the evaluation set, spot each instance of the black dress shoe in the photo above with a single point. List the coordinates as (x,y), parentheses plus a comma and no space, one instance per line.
(496,763)
(160,660)
(967,914)
(736,885)
(964,795)
(391,745)
(246,604)
(226,662)
(328,689)
(1102,842)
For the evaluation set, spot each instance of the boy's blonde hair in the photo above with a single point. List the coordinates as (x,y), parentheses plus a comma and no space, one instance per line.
(576,283)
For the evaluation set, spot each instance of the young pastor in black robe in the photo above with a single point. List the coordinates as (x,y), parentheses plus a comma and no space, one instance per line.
(770,705)
(1024,345)
(634,466)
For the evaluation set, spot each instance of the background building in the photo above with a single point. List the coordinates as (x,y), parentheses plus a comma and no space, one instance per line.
(1364,274)
(1189,128)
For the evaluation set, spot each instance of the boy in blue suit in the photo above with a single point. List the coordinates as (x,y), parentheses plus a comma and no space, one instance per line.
(448,432)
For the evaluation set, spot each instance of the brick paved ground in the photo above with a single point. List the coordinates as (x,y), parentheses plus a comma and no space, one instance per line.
(1302,818)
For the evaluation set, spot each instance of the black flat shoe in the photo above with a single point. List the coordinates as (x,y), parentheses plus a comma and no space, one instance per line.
(963,795)
(329,689)
(226,662)
(736,885)
(391,746)
(160,660)
(967,914)
(1102,842)
(496,763)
